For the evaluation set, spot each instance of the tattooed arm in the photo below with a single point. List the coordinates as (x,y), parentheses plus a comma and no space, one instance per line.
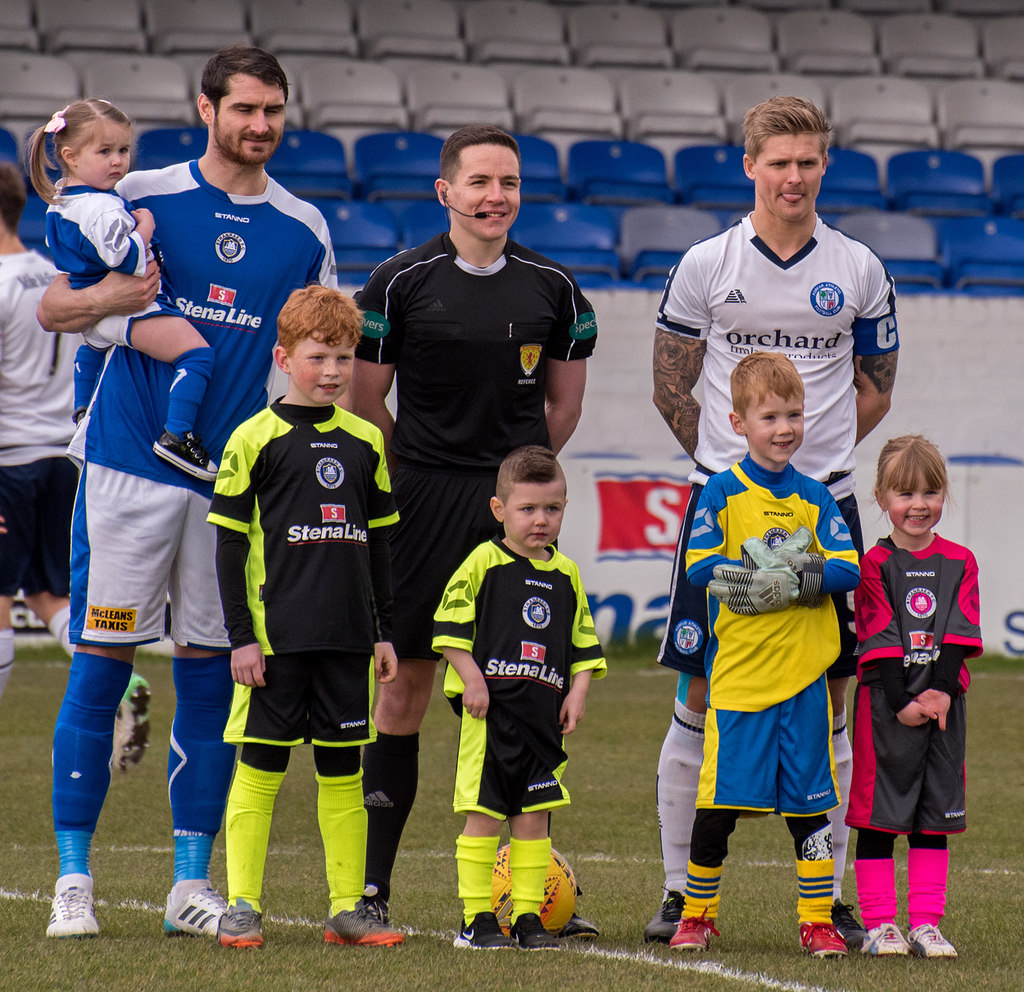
(678,362)
(873,377)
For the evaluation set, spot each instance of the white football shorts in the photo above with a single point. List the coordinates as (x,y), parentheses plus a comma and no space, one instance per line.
(116,329)
(134,542)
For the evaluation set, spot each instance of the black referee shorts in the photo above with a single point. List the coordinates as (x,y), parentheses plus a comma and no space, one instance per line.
(442,517)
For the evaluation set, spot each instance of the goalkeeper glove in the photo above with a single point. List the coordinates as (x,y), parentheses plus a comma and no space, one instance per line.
(767,588)
(809,568)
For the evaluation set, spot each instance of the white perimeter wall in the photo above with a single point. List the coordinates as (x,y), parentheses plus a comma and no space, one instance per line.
(958,383)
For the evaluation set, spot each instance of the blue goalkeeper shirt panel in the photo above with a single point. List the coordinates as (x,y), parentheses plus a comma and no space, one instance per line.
(755,662)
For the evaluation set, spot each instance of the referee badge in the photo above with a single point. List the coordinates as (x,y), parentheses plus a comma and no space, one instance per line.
(529,356)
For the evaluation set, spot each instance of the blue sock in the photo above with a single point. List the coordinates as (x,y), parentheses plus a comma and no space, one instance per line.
(83,739)
(188,389)
(199,765)
(88,365)
(73,848)
(191,855)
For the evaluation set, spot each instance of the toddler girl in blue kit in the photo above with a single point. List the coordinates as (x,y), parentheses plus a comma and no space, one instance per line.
(91,230)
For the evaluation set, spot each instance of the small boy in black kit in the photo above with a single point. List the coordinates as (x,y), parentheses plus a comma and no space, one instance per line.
(516,631)
(302,503)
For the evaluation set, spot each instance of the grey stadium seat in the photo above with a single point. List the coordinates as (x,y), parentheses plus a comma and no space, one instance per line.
(515,31)
(151,89)
(676,104)
(416,28)
(195,25)
(981,113)
(352,95)
(442,96)
(618,34)
(34,86)
(304,26)
(827,41)
(114,25)
(724,38)
(883,113)
(929,45)
(16,30)
(570,101)
(1002,44)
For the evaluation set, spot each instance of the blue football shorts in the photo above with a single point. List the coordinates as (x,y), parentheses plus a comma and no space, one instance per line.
(774,760)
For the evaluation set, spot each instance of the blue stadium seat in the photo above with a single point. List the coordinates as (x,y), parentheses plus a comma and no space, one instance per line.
(32,229)
(363,235)
(850,183)
(163,146)
(397,164)
(984,254)
(938,182)
(540,169)
(653,239)
(1008,184)
(8,147)
(712,177)
(580,236)
(624,172)
(420,221)
(907,244)
(311,163)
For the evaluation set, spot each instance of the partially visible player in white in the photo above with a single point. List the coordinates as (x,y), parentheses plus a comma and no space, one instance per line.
(37,483)
(235,244)
(778,280)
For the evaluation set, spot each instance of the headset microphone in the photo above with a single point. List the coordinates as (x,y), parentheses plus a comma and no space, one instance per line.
(479,215)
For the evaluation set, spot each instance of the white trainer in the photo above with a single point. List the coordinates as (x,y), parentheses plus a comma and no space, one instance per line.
(885,939)
(195,913)
(73,914)
(927,942)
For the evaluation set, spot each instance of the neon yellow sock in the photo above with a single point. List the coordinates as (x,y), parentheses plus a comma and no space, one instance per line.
(475,859)
(814,886)
(247,831)
(342,818)
(528,862)
(702,897)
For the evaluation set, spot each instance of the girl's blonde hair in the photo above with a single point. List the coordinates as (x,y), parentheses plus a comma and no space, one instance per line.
(69,127)
(909,462)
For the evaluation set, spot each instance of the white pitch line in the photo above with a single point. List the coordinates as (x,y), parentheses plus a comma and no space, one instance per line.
(713,968)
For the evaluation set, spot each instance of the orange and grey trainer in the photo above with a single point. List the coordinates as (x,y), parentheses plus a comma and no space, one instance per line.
(240,926)
(360,926)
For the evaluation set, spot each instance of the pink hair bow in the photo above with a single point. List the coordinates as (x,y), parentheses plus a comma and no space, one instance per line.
(57,122)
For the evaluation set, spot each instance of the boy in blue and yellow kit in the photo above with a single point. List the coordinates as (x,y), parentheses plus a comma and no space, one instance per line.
(770,545)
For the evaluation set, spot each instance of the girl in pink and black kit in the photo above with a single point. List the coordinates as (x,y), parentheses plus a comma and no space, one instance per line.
(917,616)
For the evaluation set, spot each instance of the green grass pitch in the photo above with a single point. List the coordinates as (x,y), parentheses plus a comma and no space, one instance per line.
(609,835)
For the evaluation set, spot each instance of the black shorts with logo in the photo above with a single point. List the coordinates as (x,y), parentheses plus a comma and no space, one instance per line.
(318,697)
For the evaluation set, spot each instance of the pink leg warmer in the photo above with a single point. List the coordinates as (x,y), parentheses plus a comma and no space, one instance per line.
(927,870)
(876,890)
